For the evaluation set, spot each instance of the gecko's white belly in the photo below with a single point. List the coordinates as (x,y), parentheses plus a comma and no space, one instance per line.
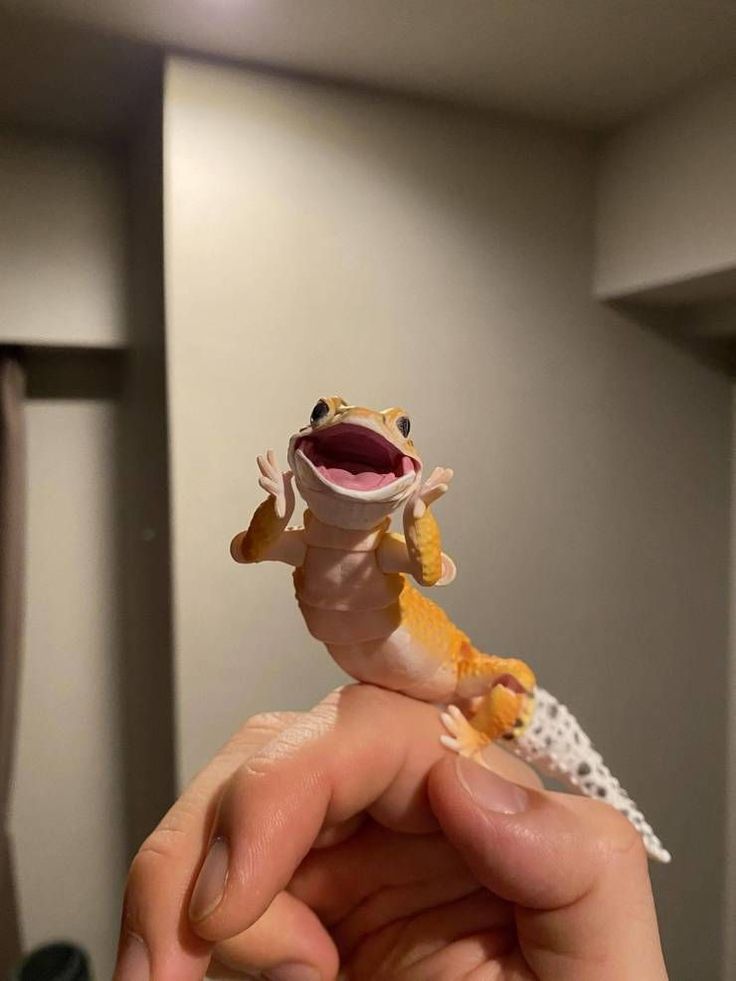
(352,606)
(331,579)
(345,597)
(399,663)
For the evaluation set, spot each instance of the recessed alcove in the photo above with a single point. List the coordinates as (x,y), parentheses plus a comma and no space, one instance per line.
(81,308)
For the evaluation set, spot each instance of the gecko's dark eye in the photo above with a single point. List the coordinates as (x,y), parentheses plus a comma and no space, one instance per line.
(403,425)
(320,410)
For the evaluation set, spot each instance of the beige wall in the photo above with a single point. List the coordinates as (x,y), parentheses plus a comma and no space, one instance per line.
(667,196)
(61,237)
(67,813)
(63,245)
(322,240)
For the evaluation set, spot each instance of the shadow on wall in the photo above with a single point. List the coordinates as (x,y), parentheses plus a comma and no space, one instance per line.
(705,331)
(74,373)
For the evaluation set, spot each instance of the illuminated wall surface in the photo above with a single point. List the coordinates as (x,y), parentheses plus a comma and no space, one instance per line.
(320,240)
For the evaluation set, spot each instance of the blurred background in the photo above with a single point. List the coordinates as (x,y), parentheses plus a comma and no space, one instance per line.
(517,220)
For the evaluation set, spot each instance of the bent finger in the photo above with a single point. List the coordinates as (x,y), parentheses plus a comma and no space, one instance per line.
(378,876)
(155,934)
(288,941)
(448,941)
(362,749)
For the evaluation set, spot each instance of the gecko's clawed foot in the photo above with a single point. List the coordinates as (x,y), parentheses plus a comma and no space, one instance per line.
(449,571)
(276,483)
(461,737)
(434,487)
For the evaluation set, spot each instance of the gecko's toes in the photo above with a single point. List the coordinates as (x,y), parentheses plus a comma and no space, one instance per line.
(462,738)
(453,720)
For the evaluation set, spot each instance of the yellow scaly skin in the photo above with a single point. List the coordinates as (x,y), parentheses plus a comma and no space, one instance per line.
(384,630)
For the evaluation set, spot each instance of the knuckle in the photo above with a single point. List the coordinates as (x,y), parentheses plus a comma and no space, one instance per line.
(154,859)
(360,697)
(164,845)
(292,733)
(267,722)
(161,855)
(269,760)
(146,866)
(308,728)
(288,740)
(258,731)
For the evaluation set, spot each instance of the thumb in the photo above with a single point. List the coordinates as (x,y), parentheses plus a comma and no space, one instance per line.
(574,868)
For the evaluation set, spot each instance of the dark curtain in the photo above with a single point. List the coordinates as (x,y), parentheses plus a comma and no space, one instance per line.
(12,521)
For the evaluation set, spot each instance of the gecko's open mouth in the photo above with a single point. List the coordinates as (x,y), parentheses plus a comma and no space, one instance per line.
(355,458)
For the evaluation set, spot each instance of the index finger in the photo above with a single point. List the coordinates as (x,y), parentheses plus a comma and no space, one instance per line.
(160,876)
(362,749)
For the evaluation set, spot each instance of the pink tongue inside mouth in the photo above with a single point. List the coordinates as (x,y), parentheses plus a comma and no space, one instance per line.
(356,458)
(367,480)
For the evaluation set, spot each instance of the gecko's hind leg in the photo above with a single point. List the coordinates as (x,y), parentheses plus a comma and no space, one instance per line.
(499,692)
(499,714)
(461,737)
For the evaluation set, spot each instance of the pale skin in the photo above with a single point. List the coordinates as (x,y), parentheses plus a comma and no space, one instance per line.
(347,839)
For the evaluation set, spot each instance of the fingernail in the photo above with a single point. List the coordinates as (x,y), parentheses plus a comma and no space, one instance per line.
(133,964)
(488,790)
(292,972)
(211,881)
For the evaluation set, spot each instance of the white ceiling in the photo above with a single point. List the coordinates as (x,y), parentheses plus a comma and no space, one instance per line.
(589,63)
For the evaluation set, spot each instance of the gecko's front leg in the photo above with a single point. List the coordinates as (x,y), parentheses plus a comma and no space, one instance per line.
(427,563)
(267,536)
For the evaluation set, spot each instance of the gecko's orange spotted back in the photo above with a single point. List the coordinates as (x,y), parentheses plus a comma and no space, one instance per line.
(430,626)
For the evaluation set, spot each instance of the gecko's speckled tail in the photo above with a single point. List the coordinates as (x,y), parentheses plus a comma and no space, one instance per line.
(555,743)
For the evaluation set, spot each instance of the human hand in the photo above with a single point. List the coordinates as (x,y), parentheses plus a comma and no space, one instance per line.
(347,836)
